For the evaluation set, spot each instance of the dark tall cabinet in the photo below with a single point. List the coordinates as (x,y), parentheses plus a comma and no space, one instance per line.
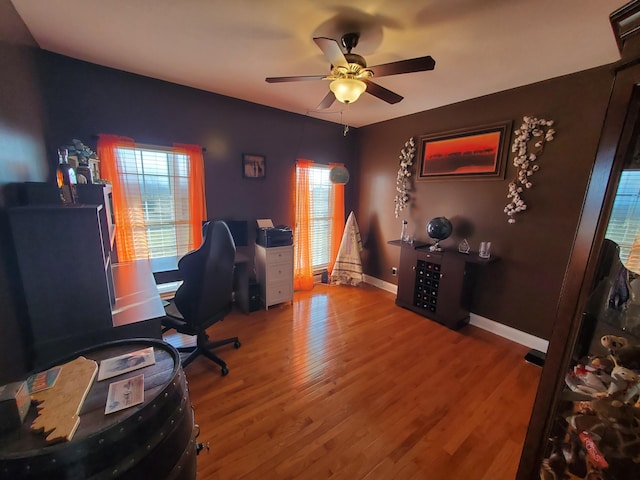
(98,194)
(576,430)
(64,258)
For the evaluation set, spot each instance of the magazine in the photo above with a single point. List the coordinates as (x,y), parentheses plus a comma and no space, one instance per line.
(128,362)
(124,394)
(43,380)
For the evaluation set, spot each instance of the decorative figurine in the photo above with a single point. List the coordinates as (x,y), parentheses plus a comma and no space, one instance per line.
(627,355)
(463,246)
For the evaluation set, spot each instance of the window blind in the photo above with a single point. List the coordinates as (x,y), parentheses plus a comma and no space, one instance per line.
(624,223)
(320,186)
(163,179)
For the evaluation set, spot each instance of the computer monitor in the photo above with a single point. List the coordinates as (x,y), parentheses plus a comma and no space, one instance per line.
(239,231)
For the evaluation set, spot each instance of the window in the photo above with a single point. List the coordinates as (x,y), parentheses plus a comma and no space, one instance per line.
(624,223)
(163,180)
(320,221)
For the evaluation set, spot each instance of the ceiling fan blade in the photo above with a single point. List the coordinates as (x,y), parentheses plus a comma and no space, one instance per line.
(381,92)
(332,51)
(326,101)
(421,64)
(294,79)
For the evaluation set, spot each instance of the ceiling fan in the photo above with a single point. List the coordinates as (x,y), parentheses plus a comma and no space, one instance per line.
(350,77)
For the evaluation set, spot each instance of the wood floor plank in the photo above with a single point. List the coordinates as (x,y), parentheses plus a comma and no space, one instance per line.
(343,384)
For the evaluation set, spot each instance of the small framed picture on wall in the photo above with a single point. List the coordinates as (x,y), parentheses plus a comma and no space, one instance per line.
(254,166)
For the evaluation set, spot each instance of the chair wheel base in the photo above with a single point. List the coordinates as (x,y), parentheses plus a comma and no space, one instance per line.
(224,371)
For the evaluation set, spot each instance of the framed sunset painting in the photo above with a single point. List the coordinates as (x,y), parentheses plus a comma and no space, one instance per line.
(475,153)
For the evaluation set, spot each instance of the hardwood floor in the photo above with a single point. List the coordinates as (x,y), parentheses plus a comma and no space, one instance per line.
(346,385)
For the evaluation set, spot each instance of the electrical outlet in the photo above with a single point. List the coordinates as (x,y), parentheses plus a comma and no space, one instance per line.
(394,271)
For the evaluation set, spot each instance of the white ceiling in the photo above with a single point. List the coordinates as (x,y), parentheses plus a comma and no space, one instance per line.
(230,46)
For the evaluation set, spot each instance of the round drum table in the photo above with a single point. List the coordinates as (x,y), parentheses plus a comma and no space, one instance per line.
(154,439)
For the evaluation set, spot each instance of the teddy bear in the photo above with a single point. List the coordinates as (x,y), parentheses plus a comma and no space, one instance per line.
(627,355)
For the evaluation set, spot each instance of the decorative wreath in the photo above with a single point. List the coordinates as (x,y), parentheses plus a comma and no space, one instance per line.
(536,131)
(403,183)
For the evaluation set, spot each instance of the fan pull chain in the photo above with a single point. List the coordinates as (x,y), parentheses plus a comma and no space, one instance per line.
(345,129)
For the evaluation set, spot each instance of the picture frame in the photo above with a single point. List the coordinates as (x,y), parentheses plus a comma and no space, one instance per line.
(254,166)
(468,154)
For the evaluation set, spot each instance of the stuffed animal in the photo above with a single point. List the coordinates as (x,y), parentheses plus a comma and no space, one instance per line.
(554,467)
(587,381)
(626,381)
(627,355)
(613,425)
(613,343)
(600,364)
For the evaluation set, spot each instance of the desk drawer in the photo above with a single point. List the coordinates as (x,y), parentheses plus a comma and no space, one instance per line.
(280,272)
(278,292)
(277,255)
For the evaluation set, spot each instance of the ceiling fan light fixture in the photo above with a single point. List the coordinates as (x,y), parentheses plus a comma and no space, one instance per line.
(347,90)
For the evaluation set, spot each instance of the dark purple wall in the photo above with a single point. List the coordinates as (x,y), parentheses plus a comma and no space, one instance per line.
(522,290)
(84,99)
(21,159)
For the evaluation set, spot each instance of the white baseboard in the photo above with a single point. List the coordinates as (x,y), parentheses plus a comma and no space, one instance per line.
(509,333)
(381,284)
(505,331)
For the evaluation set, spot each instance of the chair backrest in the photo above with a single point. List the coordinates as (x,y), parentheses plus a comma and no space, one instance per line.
(206,291)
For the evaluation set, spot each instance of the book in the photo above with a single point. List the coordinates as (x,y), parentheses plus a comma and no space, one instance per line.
(124,394)
(128,362)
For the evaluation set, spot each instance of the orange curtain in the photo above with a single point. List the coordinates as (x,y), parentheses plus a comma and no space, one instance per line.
(117,161)
(197,201)
(337,219)
(302,269)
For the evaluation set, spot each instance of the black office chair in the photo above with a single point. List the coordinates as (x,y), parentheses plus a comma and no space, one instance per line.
(205,295)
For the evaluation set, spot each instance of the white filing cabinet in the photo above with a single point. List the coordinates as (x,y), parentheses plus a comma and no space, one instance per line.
(274,268)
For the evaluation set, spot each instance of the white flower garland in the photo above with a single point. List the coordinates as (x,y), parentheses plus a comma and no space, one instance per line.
(403,184)
(535,130)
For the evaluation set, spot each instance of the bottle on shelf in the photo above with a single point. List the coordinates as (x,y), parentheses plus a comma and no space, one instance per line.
(66,178)
(404,233)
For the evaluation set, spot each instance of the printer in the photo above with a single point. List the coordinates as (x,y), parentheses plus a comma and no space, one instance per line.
(270,236)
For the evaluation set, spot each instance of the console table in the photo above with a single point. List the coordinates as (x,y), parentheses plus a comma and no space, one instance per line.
(437,285)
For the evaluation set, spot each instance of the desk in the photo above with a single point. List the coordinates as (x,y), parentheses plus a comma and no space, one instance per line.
(137,298)
(165,270)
